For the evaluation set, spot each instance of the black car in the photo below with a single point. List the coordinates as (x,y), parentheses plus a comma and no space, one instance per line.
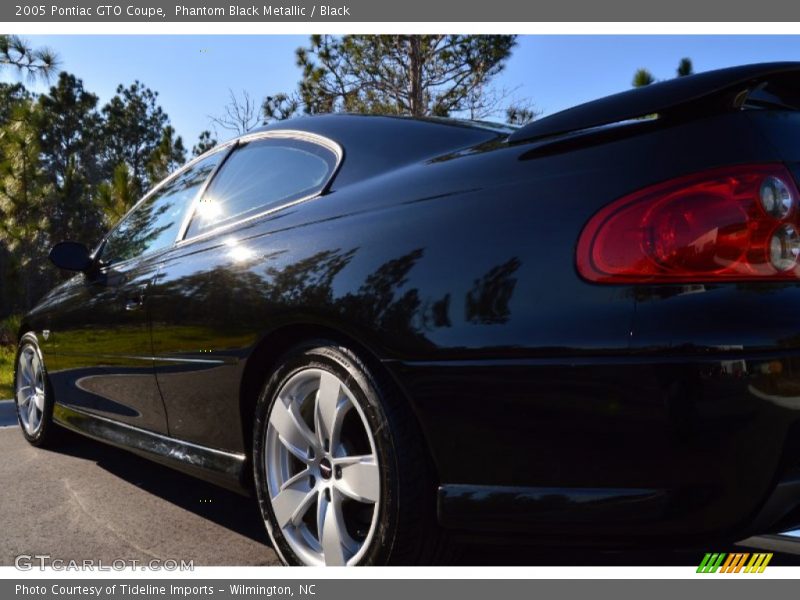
(397,332)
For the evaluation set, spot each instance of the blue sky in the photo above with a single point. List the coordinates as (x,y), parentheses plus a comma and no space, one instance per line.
(194,73)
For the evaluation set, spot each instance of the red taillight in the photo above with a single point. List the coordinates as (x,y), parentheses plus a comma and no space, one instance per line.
(730,224)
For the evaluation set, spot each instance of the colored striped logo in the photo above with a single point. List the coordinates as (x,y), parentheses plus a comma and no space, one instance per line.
(721,562)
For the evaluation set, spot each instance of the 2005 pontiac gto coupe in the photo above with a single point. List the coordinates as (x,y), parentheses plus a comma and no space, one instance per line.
(399,331)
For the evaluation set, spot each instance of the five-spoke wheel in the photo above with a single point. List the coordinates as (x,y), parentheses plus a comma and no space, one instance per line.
(322,469)
(340,467)
(30,389)
(31,394)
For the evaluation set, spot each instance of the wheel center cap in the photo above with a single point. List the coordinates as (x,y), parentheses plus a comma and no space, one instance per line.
(325,468)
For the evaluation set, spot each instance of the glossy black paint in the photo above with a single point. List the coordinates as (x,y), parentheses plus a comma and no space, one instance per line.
(515,509)
(100,350)
(71,256)
(223,468)
(445,256)
(681,98)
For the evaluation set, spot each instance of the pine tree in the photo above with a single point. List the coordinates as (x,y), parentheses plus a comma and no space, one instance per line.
(416,75)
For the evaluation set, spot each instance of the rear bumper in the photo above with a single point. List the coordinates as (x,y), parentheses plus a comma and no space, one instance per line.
(687,447)
(572,514)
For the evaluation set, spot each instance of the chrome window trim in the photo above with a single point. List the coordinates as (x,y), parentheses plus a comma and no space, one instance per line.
(226,146)
(290,134)
(190,210)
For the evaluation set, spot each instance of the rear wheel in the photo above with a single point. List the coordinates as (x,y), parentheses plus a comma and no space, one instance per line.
(341,472)
(32,395)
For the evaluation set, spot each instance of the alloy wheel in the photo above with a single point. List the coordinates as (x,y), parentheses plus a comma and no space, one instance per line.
(322,470)
(30,390)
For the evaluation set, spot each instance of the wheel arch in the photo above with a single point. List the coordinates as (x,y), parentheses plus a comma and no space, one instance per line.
(24,328)
(272,346)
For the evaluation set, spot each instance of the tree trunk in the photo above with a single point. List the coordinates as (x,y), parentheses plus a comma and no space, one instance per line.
(416,101)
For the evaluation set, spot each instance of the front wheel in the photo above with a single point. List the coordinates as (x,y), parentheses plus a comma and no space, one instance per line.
(32,394)
(341,473)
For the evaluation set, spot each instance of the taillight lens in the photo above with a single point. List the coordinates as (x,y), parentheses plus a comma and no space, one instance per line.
(729,224)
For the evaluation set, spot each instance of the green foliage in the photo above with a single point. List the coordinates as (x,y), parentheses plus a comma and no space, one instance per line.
(167,156)
(116,196)
(280,107)
(132,131)
(11,94)
(685,67)
(520,114)
(69,170)
(23,188)
(417,75)
(7,354)
(70,155)
(9,328)
(205,142)
(642,78)
(15,53)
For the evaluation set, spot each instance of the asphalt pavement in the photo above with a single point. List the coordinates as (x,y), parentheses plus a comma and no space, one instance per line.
(91,501)
(88,500)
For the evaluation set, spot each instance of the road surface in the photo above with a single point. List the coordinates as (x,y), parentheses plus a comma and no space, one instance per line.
(91,501)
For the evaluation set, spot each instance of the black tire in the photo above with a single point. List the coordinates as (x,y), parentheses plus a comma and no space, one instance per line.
(48,433)
(406,528)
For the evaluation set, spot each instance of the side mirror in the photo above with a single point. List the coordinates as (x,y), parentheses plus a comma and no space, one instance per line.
(71,256)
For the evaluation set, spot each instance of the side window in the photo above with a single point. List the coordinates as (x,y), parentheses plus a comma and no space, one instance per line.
(259,176)
(155,222)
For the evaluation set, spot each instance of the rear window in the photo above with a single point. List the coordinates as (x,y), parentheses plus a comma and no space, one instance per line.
(260,176)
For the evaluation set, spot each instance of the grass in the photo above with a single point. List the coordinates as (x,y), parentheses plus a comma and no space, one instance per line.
(8,350)
(6,372)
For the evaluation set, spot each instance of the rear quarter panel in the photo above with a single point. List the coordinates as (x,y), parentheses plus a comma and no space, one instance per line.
(458,273)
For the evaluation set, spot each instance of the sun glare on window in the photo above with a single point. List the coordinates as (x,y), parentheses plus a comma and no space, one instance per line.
(209,210)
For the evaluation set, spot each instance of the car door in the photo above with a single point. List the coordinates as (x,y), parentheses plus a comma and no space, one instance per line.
(208,303)
(102,346)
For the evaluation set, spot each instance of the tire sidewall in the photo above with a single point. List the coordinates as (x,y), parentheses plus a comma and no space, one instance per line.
(367,394)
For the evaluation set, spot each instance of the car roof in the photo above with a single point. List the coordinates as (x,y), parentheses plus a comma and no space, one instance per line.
(376,143)
(333,122)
